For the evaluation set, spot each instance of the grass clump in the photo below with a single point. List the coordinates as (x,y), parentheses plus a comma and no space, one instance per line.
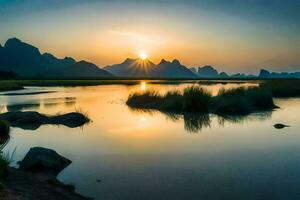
(261,98)
(194,99)
(172,101)
(148,99)
(230,105)
(242,101)
(283,88)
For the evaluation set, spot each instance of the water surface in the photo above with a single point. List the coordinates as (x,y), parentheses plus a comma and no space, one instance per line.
(152,155)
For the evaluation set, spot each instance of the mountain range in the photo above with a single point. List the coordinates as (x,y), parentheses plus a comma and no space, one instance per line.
(210,72)
(266,74)
(25,60)
(145,68)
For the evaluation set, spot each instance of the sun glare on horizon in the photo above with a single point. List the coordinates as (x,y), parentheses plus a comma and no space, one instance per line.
(143,56)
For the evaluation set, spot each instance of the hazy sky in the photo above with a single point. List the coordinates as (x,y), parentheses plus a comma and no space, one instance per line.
(233,35)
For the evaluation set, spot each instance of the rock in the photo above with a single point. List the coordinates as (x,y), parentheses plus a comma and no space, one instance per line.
(280,126)
(40,159)
(71,120)
(30,120)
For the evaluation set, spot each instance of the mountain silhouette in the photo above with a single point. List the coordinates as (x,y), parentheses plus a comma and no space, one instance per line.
(147,69)
(207,72)
(132,68)
(81,69)
(174,69)
(27,61)
(267,74)
(19,59)
(53,62)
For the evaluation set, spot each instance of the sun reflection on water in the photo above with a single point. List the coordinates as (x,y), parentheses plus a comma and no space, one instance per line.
(143,86)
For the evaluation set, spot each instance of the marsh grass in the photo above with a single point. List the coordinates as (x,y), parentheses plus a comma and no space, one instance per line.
(195,99)
(172,101)
(230,105)
(283,88)
(242,101)
(147,99)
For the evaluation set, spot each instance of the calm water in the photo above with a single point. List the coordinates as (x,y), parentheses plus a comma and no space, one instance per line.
(144,155)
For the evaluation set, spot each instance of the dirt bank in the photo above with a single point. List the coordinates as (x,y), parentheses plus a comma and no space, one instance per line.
(20,185)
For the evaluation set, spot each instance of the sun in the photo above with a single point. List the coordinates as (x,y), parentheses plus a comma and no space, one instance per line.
(143,56)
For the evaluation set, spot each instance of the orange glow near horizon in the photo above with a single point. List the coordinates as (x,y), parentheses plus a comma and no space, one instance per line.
(108,32)
(143,56)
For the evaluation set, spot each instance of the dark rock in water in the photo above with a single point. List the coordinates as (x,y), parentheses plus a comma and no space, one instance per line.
(33,120)
(40,159)
(71,120)
(280,126)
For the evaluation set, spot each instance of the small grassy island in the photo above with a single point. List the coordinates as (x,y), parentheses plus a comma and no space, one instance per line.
(195,99)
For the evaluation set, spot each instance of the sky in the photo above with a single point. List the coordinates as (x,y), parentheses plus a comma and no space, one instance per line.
(232,35)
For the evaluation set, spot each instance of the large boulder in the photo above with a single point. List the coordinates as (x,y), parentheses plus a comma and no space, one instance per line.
(40,159)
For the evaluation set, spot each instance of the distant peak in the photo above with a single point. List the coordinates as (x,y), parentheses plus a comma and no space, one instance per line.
(48,55)
(175,61)
(84,62)
(207,66)
(70,59)
(163,61)
(128,60)
(12,41)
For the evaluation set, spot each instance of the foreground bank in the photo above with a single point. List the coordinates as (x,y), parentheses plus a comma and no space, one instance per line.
(36,178)
(21,185)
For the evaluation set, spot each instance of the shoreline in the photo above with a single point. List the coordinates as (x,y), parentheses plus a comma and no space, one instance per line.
(23,185)
(278,87)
